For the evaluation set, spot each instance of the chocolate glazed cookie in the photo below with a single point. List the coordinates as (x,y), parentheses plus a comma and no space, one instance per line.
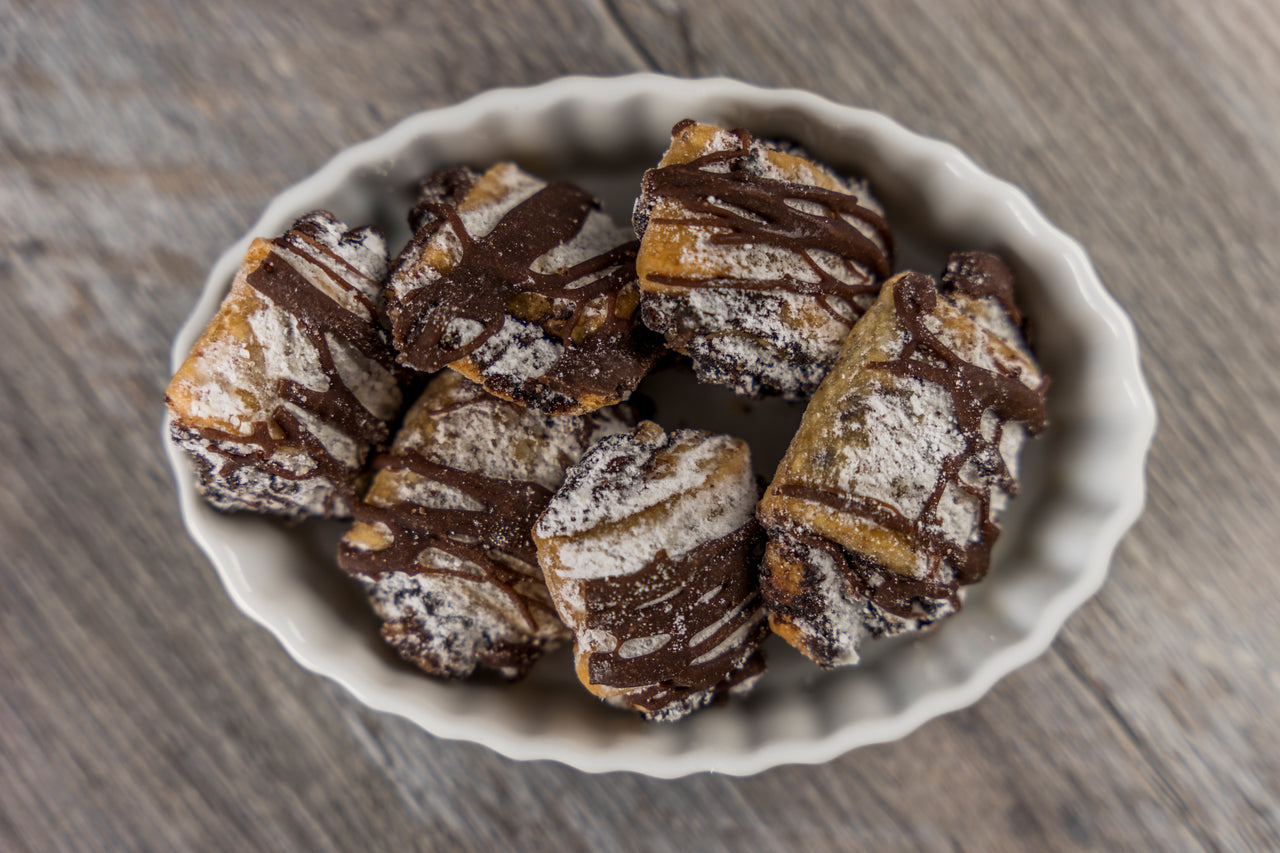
(754,260)
(442,542)
(651,554)
(887,502)
(293,381)
(525,287)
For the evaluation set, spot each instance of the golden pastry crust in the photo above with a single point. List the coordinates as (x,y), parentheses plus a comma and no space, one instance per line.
(292,382)
(887,500)
(442,539)
(524,287)
(753,260)
(651,554)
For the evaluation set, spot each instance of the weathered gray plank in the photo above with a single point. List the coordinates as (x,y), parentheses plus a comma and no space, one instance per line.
(140,710)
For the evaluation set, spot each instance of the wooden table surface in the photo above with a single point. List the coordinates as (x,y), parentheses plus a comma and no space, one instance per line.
(139,710)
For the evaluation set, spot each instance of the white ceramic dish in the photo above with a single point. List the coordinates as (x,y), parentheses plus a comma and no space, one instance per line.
(1084,477)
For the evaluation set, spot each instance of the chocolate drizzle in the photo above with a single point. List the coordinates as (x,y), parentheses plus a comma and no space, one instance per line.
(747,209)
(493,280)
(698,600)
(974,391)
(503,524)
(982,275)
(318,316)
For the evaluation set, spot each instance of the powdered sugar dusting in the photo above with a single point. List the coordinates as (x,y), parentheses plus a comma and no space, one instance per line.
(597,236)
(473,431)
(375,386)
(691,519)
(505,186)
(518,351)
(619,478)
(279,347)
(907,436)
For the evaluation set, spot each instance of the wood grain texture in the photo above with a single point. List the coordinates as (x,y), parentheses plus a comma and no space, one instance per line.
(140,711)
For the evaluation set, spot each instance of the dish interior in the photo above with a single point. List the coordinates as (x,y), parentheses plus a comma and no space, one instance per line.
(603,134)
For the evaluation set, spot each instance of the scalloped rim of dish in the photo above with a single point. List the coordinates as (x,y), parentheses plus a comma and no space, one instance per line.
(1130,417)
